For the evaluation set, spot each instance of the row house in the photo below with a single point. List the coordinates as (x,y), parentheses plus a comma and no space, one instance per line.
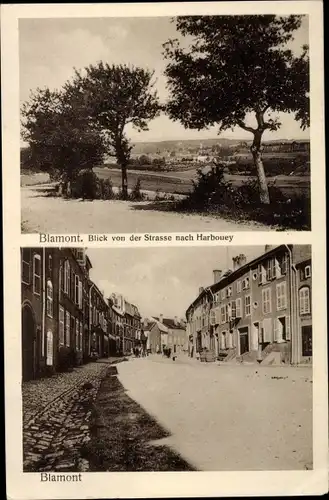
(66,320)
(132,326)
(176,337)
(256,308)
(98,322)
(54,284)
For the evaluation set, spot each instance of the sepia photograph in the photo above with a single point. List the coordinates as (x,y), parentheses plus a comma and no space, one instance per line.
(138,124)
(166,359)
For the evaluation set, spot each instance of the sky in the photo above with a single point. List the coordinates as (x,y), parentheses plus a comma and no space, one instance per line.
(163,280)
(51,48)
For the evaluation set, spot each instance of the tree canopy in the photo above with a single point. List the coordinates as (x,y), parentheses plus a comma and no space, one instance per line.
(114,96)
(61,141)
(233,66)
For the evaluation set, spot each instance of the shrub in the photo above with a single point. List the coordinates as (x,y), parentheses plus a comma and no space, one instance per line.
(85,185)
(136,194)
(105,189)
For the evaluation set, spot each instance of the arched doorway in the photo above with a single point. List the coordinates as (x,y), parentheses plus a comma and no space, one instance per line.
(28,344)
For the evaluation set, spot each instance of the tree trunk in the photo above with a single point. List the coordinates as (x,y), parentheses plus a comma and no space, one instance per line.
(258,162)
(124,186)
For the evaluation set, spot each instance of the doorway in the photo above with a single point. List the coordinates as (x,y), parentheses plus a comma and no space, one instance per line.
(29,347)
(255,340)
(244,340)
(307,340)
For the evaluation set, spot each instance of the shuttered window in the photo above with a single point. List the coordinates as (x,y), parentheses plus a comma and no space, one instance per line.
(61,325)
(37,274)
(281,296)
(266,300)
(304,300)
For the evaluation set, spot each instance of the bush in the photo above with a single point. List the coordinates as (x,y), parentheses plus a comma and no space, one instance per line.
(136,194)
(85,185)
(105,189)
(212,193)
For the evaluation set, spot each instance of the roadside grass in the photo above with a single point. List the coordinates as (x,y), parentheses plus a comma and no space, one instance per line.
(121,431)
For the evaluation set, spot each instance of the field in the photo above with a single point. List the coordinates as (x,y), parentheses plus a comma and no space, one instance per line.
(181,182)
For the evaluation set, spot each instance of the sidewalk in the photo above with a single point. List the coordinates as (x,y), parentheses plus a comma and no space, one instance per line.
(56,415)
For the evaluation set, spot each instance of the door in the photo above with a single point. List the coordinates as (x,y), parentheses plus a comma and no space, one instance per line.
(244,340)
(28,344)
(307,340)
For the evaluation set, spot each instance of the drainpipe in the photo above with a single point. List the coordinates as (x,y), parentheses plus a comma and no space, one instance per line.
(43,302)
(294,327)
(89,339)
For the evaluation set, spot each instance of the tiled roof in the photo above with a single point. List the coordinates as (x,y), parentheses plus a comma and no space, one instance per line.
(170,323)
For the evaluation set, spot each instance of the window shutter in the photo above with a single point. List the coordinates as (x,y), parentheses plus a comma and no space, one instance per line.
(267,330)
(288,336)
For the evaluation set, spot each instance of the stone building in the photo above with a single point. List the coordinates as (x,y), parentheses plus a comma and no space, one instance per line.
(250,313)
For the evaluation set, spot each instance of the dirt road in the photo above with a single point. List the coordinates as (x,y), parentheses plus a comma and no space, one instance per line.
(42,213)
(227,417)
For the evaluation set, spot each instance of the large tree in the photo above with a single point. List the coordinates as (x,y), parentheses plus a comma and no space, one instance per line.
(235,67)
(61,140)
(114,96)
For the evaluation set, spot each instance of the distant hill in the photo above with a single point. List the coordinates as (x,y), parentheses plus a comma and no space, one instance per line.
(176,145)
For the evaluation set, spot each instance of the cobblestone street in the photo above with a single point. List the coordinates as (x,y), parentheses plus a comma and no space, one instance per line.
(56,414)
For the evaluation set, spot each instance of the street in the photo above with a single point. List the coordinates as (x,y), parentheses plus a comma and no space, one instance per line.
(48,214)
(156,414)
(227,417)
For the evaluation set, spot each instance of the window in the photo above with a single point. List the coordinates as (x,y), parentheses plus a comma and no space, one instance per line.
(233,309)
(238,308)
(281,296)
(212,317)
(26,266)
(266,299)
(238,286)
(222,314)
(50,263)
(270,270)
(247,305)
(67,277)
(36,274)
(222,294)
(61,325)
(229,291)
(284,264)
(245,284)
(307,272)
(49,351)
(67,329)
(77,335)
(262,274)
(49,302)
(304,300)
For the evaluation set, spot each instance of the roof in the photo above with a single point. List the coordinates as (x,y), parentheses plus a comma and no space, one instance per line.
(170,323)
(162,327)
(229,278)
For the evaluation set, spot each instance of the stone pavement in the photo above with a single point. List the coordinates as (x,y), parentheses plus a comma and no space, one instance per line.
(56,415)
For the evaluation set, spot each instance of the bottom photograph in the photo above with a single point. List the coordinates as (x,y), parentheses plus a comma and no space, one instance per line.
(166,359)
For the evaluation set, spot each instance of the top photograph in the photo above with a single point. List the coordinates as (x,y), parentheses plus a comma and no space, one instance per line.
(165,124)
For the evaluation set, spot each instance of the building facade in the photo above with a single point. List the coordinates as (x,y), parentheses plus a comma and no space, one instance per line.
(66,320)
(253,310)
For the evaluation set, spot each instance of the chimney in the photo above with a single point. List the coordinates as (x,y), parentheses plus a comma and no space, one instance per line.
(234,263)
(201,290)
(217,273)
(161,318)
(268,248)
(175,320)
(242,259)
